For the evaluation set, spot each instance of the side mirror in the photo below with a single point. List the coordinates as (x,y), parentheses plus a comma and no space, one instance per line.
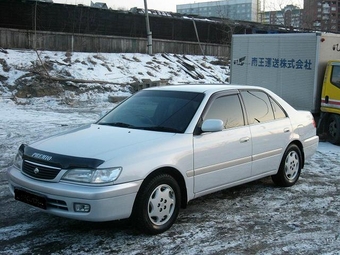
(212,125)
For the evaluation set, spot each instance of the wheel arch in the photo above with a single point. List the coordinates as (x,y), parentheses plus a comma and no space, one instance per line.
(300,146)
(176,175)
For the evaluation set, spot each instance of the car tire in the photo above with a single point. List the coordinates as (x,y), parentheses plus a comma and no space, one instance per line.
(157,204)
(333,131)
(290,167)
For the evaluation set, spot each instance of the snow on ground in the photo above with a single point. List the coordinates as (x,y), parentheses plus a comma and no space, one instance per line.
(255,218)
(23,123)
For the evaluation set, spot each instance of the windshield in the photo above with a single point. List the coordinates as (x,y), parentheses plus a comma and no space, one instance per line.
(168,111)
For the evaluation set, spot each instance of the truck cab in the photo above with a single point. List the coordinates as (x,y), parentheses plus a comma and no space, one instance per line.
(330,101)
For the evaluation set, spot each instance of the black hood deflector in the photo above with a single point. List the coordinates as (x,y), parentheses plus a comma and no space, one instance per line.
(58,160)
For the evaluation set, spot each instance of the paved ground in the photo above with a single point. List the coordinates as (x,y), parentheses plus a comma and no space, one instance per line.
(256,218)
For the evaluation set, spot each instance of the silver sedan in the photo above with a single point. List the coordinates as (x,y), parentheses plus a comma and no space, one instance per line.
(161,148)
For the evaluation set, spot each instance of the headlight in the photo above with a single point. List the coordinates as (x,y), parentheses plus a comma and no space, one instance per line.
(99,176)
(18,160)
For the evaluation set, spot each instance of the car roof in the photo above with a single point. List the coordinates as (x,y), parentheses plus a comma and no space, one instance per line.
(203,88)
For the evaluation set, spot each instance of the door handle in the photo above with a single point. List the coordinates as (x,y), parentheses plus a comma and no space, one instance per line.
(244,139)
(286,130)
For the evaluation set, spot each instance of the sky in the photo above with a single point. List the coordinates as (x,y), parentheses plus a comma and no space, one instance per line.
(271,5)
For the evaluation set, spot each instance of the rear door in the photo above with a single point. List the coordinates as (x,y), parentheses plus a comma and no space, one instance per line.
(224,157)
(270,129)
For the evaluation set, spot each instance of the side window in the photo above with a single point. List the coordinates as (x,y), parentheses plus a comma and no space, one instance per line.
(279,113)
(228,109)
(335,79)
(258,106)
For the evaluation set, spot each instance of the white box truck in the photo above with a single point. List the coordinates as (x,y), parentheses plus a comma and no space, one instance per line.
(302,68)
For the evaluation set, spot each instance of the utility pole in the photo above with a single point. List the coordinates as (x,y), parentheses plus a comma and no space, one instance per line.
(35,27)
(148,32)
(261,8)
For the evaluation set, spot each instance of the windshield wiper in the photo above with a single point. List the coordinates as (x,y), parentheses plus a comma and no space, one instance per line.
(163,129)
(117,124)
(154,128)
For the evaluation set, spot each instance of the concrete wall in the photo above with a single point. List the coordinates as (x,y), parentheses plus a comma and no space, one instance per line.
(28,39)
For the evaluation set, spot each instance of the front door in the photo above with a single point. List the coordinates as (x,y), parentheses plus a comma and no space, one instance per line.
(224,157)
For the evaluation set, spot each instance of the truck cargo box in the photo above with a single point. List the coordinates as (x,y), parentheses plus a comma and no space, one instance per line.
(291,65)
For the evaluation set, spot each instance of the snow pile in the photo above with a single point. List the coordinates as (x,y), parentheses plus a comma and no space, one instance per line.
(62,90)
(28,76)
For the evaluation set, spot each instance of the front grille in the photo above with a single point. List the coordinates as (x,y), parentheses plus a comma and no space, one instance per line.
(40,171)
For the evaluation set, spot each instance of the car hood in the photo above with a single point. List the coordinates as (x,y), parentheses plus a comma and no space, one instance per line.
(98,141)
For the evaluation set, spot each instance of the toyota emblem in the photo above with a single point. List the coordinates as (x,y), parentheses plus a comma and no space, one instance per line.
(36,170)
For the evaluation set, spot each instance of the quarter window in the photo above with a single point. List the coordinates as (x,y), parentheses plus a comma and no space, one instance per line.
(279,113)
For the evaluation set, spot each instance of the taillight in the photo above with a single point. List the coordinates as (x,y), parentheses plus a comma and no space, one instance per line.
(314,123)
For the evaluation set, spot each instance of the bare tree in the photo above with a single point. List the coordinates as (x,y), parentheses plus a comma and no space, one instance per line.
(310,17)
(275,5)
(228,25)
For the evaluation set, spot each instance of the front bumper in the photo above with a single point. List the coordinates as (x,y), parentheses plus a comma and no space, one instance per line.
(106,202)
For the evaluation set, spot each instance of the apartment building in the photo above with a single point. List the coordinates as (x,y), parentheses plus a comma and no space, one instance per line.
(290,16)
(233,9)
(322,15)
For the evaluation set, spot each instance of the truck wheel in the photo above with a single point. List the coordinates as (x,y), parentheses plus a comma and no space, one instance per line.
(290,167)
(334,129)
(157,205)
